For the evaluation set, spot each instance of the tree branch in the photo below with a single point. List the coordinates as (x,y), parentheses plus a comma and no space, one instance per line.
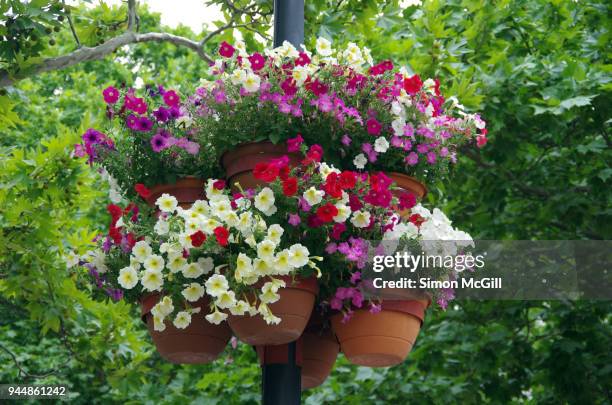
(132,16)
(98,52)
(22,371)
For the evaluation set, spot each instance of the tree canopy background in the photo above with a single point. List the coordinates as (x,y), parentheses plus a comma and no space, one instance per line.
(538,70)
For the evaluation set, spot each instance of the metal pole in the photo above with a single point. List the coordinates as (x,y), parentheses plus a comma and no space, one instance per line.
(289,22)
(281,383)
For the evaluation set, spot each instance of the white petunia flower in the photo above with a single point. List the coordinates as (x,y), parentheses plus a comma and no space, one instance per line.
(239,308)
(275,232)
(141,251)
(344,212)
(158,324)
(323,47)
(313,196)
(361,219)
(216,317)
(264,200)
(251,83)
(163,308)
(154,263)
(206,264)
(216,285)
(71,259)
(128,278)
(261,267)
(265,249)
(200,207)
(298,255)
(176,262)
(282,264)
(166,203)
(381,145)
(161,227)
(152,280)
(226,300)
(193,292)
(192,270)
(360,161)
(182,320)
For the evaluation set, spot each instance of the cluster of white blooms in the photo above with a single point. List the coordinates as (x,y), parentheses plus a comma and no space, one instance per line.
(155,261)
(436,234)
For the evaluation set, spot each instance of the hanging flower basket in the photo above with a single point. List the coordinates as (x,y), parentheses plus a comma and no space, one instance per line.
(293,308)
(319,351)
(201,342)
(240,162)
(381,339)
(186,191)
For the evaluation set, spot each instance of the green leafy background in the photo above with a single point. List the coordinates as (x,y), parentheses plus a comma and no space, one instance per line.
(538,70)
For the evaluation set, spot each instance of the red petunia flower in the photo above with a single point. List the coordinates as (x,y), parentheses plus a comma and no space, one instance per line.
(115,234)
(226,50)
(266,172)
(290,186)
(416,219)
(413,84)
(314,154)
(347,180)
(293,144)
(332,186)
(222,235)
(115,211)
(327,212)
(142,190)
(197,238)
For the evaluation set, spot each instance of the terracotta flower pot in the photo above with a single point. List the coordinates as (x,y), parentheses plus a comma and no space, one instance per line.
(201,342)
(294,308)
(186,190)
(383,339)
(240,162)
(409,183)
(319,351)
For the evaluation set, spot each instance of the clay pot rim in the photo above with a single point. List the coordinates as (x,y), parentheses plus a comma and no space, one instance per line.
(405,177)
(265,146)
(186,182)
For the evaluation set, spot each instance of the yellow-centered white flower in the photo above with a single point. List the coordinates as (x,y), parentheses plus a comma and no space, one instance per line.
(152,280)
(182,320)
(361,219)
(141,251)
(128,278)
(193,292)
(264,200)
(166,203)
(313,196)
(216,285)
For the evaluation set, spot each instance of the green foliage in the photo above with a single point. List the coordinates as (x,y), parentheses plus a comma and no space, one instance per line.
(540,72)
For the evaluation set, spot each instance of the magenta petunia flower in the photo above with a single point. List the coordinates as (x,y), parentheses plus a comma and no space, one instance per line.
(412,158)
(335,304)
(79,150)
(226,50)
(159,143)
(257,61)
(171,98)
(111,95)
(346,140)
(374,126)
(293,144)
(431,157)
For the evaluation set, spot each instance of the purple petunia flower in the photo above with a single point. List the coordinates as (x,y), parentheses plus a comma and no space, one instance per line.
(294,219)
(162,114)
(346,140)
(92,137)
(144,124)
(159,143)
(412,159)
